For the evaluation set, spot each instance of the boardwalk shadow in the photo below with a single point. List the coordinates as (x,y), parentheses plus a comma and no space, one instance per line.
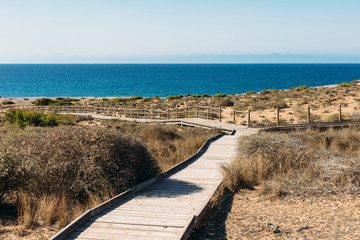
(213,225)
(171,188)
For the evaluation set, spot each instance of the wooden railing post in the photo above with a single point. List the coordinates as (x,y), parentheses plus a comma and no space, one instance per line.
(144,113)
(132,113)
(208,113)
(168,113)
(340,117)
(234,116)
(177,112)
(197,111)
(152,113)
(220,114)
(186,111)
(249,119)
(308,115)
(137,113)
(278,116)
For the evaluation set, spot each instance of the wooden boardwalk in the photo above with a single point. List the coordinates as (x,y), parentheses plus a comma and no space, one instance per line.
(167,208)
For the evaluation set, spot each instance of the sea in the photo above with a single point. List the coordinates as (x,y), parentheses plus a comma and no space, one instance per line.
(148,80)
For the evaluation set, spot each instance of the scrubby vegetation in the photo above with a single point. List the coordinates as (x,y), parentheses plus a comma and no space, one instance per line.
(174,97)
(297,163)
(219,95)
(57,102)
(169,145)
(66,167)
(23,118)
(54,174)
(346,84)
(126,99)
(8,102)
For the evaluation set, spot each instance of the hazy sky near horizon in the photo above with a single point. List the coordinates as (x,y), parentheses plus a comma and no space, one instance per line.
(179,31)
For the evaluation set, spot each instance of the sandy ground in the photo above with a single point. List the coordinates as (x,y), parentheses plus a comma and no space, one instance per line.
(246,215)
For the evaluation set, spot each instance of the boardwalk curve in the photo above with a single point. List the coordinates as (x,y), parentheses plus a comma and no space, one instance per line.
(167,208)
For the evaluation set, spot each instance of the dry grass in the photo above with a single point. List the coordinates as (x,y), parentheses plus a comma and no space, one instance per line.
(59,172)
(297,163)
(169,145)
(55,174)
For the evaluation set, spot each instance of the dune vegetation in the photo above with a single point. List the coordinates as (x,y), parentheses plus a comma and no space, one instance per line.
(297,163)
(53,174)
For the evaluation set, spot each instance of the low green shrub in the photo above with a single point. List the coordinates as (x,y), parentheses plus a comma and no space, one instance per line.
(174,97)
(126,99)
(299,88)
(219,95)
(250,93)
(269,91)
(205,95)
(195,96)
(346,84)
(23,118)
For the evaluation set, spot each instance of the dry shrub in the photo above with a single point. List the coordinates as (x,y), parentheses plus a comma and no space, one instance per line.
(294,164)
(170,145)
(66,168)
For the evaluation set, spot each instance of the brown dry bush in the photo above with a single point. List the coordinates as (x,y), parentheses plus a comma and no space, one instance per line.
(168,145)
(69,167)
(297,163)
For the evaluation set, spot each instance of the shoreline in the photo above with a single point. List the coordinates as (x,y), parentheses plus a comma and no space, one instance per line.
(29,100)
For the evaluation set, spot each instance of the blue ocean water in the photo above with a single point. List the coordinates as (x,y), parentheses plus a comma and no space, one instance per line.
(147,80)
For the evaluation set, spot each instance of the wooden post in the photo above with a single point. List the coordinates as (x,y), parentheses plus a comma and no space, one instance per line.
(168,113)
(249,120)
(186,111)
(234,116)
(152,113)
(144,113)
(208,113)
(125,111)
(220,114)
(132,114)
(197,111)
(177,112)
(308,115)
(137,113)
(340,117)
(278,116)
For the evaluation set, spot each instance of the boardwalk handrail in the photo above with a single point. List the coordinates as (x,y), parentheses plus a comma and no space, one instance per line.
(248,117)
(93,211)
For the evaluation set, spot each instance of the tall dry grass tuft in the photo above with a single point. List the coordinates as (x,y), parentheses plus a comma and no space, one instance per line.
(296,163)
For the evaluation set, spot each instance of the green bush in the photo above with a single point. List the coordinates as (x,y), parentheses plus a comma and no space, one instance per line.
(44,102)
(57,102)
(346,84)
(126,99)
(250,92)
(174,97)
(219,95)
(205,95)
(299,88)
(23,118)
(269,91)
(195,96)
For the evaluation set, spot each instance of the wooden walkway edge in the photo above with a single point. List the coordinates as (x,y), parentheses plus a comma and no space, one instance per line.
(92,212)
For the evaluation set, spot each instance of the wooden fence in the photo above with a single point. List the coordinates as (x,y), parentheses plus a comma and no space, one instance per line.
(268,117)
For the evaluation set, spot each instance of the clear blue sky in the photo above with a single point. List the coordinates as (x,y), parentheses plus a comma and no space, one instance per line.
(179,31)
